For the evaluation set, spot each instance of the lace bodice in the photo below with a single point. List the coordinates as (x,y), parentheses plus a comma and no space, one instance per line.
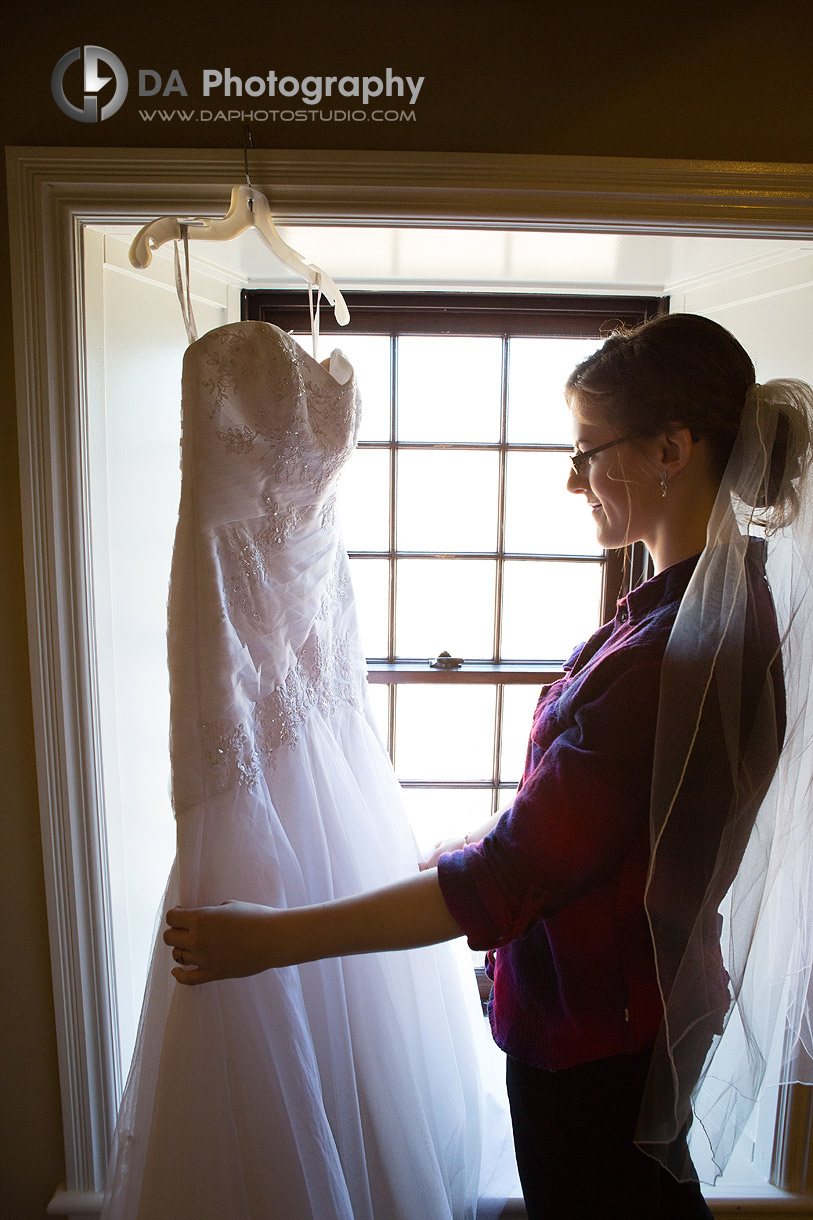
(271,406)
(266,431)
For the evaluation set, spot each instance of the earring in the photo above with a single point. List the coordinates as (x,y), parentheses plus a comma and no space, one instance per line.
(664,484)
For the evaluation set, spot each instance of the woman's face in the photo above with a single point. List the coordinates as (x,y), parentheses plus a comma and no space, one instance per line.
(621,484)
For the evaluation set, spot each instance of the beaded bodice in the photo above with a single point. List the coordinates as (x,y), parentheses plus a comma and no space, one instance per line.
(262,629)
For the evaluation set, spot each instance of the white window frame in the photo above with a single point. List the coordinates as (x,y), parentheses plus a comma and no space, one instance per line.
(52,193)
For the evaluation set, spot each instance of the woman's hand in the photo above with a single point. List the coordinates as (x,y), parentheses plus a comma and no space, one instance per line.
(440,849)
(474,836)
(223,942)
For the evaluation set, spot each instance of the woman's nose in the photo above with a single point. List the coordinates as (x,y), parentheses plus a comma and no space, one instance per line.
(576,482)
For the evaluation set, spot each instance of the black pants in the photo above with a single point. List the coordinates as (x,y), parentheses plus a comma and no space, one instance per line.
(573,1132)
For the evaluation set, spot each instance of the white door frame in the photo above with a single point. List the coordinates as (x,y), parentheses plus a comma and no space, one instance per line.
(52,193)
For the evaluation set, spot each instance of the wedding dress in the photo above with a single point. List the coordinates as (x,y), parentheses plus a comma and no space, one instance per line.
(339,1090)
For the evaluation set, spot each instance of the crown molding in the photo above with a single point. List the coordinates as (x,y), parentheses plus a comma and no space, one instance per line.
(606,194)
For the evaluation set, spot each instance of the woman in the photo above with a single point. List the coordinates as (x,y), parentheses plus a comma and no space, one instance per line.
(646,770)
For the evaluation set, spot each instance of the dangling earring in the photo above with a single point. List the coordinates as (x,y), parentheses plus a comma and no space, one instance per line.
(664,484)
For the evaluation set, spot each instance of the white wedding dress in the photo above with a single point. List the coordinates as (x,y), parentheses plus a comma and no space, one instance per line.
(347,1089)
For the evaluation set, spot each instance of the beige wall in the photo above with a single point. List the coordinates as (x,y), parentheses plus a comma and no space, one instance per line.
(722,81)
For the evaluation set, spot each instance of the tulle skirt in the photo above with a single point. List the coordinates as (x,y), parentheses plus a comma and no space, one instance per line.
(361,1088)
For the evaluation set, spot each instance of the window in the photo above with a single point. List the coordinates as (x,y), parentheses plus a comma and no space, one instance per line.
(462,537)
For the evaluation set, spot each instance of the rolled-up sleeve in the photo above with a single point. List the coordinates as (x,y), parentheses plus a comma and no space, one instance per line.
(583,801)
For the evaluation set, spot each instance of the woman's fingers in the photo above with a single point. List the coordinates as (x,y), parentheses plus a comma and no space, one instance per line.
(177,935)
(193,977)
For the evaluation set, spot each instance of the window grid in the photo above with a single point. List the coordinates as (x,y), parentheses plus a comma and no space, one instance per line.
(399,668)
(397,315)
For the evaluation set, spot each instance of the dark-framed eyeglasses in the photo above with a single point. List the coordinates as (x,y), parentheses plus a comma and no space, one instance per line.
(580,458)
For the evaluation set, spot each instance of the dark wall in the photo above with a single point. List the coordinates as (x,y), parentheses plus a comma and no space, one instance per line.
(717,80)
(720,80)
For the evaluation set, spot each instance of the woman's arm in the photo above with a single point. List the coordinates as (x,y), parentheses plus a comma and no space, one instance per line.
(241,938)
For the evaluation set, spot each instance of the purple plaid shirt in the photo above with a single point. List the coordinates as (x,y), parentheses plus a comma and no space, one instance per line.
(557,887)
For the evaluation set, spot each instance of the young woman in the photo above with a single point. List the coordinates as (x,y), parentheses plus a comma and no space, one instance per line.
(598,892)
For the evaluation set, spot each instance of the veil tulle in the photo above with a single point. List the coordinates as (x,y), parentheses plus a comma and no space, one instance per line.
(730,888)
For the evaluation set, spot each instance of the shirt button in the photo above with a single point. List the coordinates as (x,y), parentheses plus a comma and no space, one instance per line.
(622,616)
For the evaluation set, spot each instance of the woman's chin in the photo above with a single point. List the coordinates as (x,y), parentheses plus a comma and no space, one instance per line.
(603,532)
(608,538)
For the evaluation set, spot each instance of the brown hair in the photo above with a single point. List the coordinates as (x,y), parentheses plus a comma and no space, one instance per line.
(677,368)
(686,369)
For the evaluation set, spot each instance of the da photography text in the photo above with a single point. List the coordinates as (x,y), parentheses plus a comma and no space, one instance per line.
(90,84)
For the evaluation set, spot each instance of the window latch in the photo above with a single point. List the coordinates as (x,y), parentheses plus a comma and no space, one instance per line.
(445,660)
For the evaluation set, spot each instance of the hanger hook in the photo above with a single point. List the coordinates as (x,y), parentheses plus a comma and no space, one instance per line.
(248,142)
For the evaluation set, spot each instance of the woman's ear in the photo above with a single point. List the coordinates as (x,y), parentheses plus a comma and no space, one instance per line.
(676,448)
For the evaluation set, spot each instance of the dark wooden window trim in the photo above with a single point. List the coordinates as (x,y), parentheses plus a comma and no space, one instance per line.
(458,313)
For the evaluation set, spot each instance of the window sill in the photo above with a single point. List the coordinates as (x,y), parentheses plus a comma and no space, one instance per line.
(531,674)
(760,1203)
(75,1203)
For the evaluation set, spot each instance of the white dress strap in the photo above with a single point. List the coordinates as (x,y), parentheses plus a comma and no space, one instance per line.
(314,313)
(184,291)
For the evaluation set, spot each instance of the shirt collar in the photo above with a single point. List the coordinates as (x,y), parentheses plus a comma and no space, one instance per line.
(668,586)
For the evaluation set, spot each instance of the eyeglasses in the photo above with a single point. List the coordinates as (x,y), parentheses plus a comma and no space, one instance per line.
(580,459)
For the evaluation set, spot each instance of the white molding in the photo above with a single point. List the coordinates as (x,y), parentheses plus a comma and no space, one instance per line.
(740,284)
(604,194)
(75,1203)
(51,192)
(735,271)
(211,282)
(793,1153)
(49,384)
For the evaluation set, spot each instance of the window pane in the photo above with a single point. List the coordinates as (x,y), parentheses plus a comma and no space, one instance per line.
(548,608)
(537,372)
(363,501)
(371,586)
(541,515)
(445,605)
(443,813)
(447,500)
(518,706)
(449,388)
(444,732)
(370,358)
